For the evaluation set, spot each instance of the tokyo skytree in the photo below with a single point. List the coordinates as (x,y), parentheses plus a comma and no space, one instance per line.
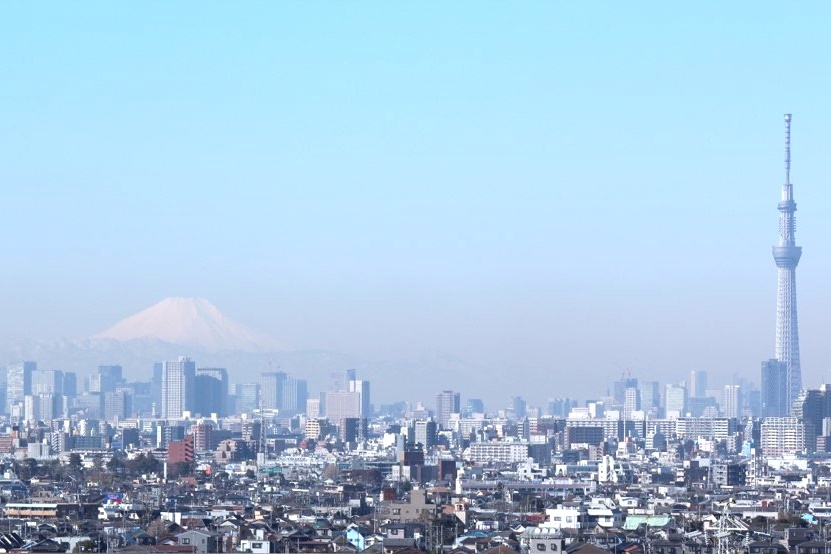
(787,254)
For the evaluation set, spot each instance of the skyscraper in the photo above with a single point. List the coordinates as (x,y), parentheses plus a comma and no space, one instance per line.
(272,390)
(295,394)
(18,381)
(178,391)
(775,389)
(361,386)
(447,402)
(698,384)
(247,397)
(212,386)
(732,401)
(787,254)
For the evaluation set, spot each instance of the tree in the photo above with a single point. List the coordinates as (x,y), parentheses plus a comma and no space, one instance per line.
(75,461)
(85,546)
(156,528)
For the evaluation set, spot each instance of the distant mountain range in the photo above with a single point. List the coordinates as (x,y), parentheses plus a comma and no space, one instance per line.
(196,328)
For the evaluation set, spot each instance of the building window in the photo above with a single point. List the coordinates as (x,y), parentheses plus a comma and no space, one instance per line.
(256,545)
(553,547)
(540,547)
(185,541)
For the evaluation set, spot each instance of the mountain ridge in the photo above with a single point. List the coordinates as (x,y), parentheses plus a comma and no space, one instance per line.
(191,322)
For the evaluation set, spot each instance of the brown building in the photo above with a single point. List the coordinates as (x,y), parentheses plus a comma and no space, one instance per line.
(180,451)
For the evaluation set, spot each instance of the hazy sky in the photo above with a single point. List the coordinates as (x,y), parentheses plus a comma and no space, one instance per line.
(551,188)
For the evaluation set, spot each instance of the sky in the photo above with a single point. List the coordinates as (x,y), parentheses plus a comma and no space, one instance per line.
(563,191)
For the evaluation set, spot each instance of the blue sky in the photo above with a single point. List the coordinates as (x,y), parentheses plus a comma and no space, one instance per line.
(559,189)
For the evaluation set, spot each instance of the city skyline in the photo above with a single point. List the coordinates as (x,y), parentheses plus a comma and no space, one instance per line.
(555,204)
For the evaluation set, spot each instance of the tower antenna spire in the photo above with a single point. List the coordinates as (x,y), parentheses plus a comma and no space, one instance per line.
(786,254)
(787,149)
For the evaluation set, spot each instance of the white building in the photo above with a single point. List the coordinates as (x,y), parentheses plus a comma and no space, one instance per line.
(177,387)
(781,436)
(501,452)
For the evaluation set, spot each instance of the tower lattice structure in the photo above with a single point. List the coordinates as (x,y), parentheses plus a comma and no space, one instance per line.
(787,254)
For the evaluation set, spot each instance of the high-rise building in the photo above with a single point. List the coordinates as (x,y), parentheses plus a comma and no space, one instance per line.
(212,395)
(474,406)
(106,379)
(118,403)
(178,391)
(775,389)
(342,404)
(812,407)
(361,386)
(651,398)
(787,254)
(519,407)
(425,434)
(18,381)
(733,401)
(781,436)
(271,390)
(698,384)
(631,402)
(247,397)
(674,401)
(70,384)
(447,402)
(47,381)
(295,394)
(619,389)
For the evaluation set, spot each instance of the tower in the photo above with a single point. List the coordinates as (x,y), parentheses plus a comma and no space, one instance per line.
(774,389)
(787,254)
(447,402)
(177,387)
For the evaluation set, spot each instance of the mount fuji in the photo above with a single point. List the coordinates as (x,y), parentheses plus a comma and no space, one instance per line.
(189,322)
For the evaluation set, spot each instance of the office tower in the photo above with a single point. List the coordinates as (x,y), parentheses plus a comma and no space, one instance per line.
(631,402)
(651,398)
(342,404)
(361,386)
(775,389)
(447,402)
(340,379)
(178,391)
(247,397)
(619,388)
(313,408)
(674,401)
(118,404)
(70,384)
(425,434)
(106,379)
(732,401)
(156,384)
(271,390)
(47,381)
(212,391)
(474,406)
(295,394)
(812,407)
(18,381)
(519,407)
(42,407)
(787,254)
(698,384)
